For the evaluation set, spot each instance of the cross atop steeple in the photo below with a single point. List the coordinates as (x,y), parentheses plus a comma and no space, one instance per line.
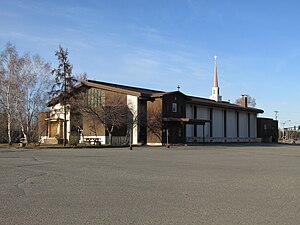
(178,87)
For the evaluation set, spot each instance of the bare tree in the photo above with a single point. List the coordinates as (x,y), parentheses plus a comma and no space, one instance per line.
(250,101)
(81,77)
(110,111)
(155,123)
(35,80)
(9,72)
(23,84)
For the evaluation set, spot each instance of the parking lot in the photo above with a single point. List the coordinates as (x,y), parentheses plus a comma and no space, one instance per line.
(213,184)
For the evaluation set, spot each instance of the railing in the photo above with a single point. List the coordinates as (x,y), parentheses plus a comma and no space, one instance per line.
(117,140)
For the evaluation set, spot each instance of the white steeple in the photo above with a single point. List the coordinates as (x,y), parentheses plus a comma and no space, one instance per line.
(215,89)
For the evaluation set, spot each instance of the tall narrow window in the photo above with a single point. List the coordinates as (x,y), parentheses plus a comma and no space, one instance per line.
(174,107)
(195,130)
(249,131)
(195,112)
(237,124)
(211,122)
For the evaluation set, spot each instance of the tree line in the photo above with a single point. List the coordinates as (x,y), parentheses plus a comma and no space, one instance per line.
(27,83)
(24,81)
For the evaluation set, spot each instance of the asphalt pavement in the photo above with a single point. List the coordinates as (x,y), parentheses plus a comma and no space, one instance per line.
(215,184)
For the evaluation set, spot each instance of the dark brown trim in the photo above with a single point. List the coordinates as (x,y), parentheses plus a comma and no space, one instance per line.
(185,120)
(125,87)
(211,103)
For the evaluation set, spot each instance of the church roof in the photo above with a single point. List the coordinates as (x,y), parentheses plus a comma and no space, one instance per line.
(122,88)
(150,93)
(221,104)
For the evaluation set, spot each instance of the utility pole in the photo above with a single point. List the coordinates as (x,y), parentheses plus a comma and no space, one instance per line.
(276,113)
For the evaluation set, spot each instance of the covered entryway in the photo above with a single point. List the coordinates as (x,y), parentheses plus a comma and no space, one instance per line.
(174,130)
(55,130)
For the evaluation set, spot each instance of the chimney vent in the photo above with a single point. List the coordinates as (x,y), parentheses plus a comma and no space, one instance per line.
(244,100)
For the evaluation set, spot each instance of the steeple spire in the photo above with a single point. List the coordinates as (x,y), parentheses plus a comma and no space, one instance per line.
(215,89)
(215,73)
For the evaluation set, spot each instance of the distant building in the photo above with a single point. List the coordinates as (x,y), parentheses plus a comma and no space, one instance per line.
(267,130)
(168,117)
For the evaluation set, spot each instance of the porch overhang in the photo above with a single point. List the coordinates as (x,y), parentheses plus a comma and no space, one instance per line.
(54,119)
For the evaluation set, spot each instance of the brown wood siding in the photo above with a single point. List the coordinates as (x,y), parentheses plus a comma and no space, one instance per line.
(154,116)
(110,96)
(76,122)
(142,114)
(43,124)
(92,126)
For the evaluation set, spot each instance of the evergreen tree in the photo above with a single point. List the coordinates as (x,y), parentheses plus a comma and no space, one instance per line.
(64,83)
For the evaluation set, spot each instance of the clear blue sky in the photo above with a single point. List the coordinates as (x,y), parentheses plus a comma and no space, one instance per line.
(160,44)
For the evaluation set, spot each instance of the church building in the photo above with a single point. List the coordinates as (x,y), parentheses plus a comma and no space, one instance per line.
(158,117)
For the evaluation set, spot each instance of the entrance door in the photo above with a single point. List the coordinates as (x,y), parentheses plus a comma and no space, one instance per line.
(53,129)
(176,134)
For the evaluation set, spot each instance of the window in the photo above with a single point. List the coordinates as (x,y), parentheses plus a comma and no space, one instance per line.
(249,124)
(174,107)
(96,97)
(237,124)
(225,123)
(211,122)
(265,129)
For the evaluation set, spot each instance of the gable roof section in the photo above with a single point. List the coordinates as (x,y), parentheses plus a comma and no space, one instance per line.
(160,94)
(209,102)
(225,105)
(121,88)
